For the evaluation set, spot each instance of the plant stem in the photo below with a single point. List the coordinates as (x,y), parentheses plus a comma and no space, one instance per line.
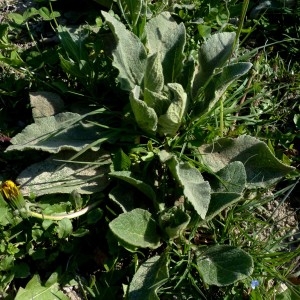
(71,215)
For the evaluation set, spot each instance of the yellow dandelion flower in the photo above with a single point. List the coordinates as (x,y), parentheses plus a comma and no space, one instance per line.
(12,194)
(9,189)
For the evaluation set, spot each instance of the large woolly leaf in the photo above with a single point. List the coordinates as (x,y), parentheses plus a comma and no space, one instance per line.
(166,37)
(148,278)
(195,188)
(173,221)
(45,104)
(145,116)
(231,179)
(55,133)
(219,83)
(212,54)
(87,175)
(262,167)
(129,57)
(158,101)
(223,265)
(154,77)
(170,122)
(136,229)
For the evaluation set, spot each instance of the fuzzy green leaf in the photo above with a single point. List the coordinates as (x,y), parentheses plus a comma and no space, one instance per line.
(173,221)
(166,37)
(170,122)
(223,265)
(219,83)
(195,188)
(145,116)
(136,228)
(262,167)
(55,133)
(148,278)
(231,179)
(212,54)
(45,104)
(154,77)
(158,101)
(87,175)
(129,57)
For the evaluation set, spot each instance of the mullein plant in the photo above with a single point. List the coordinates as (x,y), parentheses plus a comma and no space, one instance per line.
(11,193)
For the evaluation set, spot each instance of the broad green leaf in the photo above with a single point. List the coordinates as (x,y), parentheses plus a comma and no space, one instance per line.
(145,116)
(34,290)
(55,133)
(231,179)
(262,167)
(154,77)
(173,221)
(129,57)
(219,83)
(158,101)
(170,122)
(166,37)
(55,175)
(219,201)
(223,265)
(64,228)
(45,104)
(136,228)
(127,176)
(148,278)
(195,188)
(212,54)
